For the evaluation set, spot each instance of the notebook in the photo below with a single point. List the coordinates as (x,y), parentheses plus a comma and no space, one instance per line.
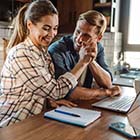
(76,116)
(126,102)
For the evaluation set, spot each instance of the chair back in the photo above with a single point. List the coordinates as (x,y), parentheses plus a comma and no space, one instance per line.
(5,43)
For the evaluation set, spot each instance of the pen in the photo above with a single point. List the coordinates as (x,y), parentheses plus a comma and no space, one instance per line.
(67,113)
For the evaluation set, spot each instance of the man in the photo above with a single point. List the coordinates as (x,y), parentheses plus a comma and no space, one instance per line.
(65,53)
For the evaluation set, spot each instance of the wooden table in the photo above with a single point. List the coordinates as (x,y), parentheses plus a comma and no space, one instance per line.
(40,128)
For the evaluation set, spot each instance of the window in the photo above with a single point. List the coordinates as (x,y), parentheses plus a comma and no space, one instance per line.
(131,32)
(133,58)
(134,23)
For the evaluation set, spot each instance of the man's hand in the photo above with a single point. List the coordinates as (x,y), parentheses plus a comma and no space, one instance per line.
(92,49)
(114,91)
(88,51)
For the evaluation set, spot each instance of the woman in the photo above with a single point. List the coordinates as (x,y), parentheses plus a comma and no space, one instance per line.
(27,77)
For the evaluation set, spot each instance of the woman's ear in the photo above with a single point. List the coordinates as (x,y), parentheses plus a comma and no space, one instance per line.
(29,24)
(99,38)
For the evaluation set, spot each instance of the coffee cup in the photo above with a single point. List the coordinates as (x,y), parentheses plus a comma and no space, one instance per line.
(137,85)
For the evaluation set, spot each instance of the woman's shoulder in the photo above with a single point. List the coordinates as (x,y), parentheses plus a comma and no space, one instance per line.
(17,49)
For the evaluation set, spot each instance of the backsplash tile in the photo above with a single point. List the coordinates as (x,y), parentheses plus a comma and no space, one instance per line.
(112,42)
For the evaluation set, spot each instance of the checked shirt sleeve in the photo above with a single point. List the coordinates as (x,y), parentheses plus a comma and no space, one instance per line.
(34,72)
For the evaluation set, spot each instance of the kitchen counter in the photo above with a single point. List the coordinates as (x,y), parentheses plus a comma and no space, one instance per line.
(117,80)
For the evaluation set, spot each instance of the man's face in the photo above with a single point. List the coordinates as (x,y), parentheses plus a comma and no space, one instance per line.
(84,32)
(43,32)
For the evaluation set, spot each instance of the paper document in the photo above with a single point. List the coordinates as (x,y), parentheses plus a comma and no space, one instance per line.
(74,115)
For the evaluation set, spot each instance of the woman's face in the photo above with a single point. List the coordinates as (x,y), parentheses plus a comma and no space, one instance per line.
(43,32)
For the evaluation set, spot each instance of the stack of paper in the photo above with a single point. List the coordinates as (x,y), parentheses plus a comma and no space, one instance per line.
(76,116)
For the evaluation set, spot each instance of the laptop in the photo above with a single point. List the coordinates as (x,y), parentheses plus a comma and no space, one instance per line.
(125,103)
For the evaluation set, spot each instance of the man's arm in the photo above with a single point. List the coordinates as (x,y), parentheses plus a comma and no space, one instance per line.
(88,94)
(101,76)
(99,69)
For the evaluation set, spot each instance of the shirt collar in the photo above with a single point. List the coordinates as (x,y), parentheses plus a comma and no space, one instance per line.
(30,44)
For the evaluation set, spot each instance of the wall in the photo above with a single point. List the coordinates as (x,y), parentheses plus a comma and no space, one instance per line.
(124,17)
(112,43)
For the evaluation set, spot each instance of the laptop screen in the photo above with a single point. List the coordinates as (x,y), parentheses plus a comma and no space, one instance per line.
(135,104)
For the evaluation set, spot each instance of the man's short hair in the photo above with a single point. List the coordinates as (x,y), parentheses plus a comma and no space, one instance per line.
(95,18)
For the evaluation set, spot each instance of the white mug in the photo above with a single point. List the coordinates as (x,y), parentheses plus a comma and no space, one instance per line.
(137,85)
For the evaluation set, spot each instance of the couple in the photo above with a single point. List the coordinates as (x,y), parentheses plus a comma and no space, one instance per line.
(28,77)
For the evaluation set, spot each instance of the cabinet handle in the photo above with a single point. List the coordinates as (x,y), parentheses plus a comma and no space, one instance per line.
(113,17)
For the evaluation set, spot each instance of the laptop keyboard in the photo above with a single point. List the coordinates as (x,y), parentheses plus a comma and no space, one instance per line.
(123,103)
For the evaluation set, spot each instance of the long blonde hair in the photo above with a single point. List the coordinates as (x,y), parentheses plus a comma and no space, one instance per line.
(19,33)
(33,11)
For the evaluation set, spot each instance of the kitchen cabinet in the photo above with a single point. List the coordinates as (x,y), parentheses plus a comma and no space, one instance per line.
(9,8)
(110,9)
(69,10)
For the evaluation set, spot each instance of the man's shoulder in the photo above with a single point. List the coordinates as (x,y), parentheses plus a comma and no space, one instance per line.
(100,46)
(61,45)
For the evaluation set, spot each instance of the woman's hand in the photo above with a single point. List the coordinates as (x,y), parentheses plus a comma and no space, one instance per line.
(83,54)
(57,103)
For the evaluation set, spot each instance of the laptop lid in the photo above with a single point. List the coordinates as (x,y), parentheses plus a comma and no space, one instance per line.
(134,117)
(128,94)
(135,104)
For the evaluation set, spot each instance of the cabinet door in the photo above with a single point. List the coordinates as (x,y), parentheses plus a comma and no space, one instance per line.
(69,11)
(115,10)
(110,9)
(65,16)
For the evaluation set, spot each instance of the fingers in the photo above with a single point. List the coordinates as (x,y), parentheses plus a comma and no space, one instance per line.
(115,94)
(66,103)
(91,50)
(84,56)
(88,51)
(91,53)
(90,42)
(53,104)
(115,91)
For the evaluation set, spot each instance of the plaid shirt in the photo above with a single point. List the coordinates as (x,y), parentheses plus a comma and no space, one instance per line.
(27,79)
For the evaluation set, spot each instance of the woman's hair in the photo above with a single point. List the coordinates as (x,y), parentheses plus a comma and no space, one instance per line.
(33,11)
(95,18)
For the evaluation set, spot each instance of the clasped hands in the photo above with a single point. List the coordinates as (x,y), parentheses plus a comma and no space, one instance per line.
(88,51)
